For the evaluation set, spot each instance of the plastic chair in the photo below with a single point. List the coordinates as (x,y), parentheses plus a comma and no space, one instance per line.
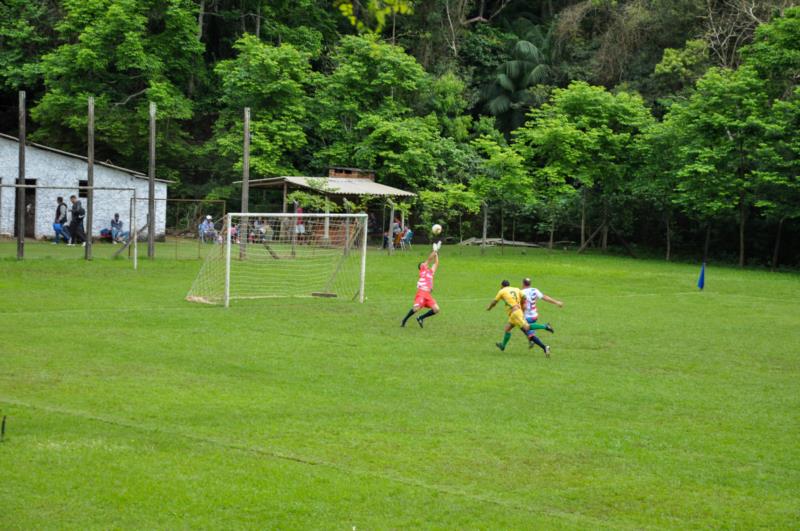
(405,242)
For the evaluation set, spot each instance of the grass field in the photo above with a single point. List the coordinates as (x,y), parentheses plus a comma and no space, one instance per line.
(662,407)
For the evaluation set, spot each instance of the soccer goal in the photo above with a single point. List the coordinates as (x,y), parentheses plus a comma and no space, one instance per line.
(258,256)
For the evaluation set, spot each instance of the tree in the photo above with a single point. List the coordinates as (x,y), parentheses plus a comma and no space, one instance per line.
(273,81)
(582,137)
(369,78)
(724,126)
(656,178)
(124,53)
(507,96)
(779,193)
(775,53)
(26,33)
(501,177)
(447,203)
(374,15)
(403,152)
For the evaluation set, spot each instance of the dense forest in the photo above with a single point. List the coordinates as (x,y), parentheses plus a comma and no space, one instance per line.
(665,126)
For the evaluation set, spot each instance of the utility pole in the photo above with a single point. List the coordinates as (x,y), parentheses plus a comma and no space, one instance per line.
(21,190)
(90,180)
(151,196)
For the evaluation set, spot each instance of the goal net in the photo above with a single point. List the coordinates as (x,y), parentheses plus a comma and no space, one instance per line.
(254,256)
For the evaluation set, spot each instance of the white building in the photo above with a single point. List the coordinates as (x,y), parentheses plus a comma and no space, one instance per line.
(57,173)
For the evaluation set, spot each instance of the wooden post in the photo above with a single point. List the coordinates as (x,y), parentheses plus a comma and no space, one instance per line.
(245,185)
(284,197)
(90,178)
(326,233)
(293,228)
(151,195)
(391,228)
(21,191)
(485,225)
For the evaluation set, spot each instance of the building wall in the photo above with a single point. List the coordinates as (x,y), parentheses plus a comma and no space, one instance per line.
(65,172)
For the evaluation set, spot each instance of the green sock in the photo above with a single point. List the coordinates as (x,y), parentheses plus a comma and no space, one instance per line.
(506,337)
(537,326)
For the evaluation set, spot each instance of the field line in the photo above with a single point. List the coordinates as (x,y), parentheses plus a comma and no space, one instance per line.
(310,461)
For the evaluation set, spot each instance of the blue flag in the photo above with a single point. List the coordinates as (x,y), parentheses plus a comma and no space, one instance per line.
(701,281)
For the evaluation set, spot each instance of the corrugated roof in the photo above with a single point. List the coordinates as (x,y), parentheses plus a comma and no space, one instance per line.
(135,173)
(333,185)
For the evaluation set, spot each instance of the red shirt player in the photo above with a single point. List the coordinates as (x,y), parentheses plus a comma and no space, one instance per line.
(424,299)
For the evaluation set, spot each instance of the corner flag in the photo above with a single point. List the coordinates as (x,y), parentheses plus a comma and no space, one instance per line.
(701,281)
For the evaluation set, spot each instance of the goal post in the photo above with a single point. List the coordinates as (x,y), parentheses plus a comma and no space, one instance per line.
(272,255)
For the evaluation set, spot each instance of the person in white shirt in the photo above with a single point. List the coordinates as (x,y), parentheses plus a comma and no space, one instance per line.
(530,296)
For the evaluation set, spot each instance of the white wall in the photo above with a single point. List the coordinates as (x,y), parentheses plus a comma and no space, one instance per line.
(55,169)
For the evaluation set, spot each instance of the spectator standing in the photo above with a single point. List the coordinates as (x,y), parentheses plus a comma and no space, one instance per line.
(60,221)
(300,228)
(76,222)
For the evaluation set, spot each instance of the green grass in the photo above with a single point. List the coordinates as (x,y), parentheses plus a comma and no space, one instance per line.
(661,407)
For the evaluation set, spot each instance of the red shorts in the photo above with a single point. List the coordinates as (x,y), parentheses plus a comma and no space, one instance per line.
(424,299)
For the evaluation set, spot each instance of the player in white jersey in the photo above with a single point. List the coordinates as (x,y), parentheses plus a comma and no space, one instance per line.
(530,297)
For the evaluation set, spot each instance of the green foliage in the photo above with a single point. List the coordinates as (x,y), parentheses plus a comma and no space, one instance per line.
(680,68)
(403,152)
(501,175)
(312,202)
(583,136)
(374,15)
(531,63)
(775,54)
(447,203)
(722,132)
(25,34)
(112,50)
(273,82)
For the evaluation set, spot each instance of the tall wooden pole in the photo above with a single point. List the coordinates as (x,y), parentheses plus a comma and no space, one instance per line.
(90,179)
(21,180)
(245,185)
(151,195)
(391,228)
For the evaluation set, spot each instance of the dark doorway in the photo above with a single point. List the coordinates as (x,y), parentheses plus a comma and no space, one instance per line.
(30,209)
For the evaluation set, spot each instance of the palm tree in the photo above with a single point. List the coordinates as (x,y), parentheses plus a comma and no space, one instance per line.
(507,96)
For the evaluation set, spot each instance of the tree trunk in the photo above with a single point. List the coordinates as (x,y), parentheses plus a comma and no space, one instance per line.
(552,235)
(394,24)
(669,236)
(742,216)
(460,233)
(583,219)
(200,16)
(502,229)
(258,21)
(604,245)
(708,241)
(513,228)
(776,251)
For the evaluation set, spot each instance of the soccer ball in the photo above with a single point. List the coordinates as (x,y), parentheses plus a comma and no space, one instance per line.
(436,229)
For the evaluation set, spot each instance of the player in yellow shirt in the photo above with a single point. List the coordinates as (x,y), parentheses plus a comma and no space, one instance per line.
(513,299)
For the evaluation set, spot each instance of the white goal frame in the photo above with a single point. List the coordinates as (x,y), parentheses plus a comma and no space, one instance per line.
(361,246)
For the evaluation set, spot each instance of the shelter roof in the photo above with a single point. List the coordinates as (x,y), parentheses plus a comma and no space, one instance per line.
(332,185)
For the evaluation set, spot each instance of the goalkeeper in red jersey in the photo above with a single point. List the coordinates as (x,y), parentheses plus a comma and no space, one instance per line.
(424,299)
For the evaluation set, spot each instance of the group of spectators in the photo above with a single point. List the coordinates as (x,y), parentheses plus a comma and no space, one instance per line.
(73,232)
(261,231)
(398,233)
